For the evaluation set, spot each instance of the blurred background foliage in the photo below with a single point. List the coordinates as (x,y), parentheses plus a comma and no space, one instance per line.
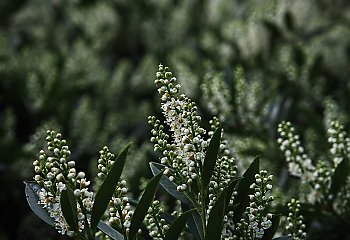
(86,68)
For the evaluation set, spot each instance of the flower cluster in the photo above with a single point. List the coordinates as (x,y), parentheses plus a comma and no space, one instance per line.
(217,94)
(186,152)
(340,143)
(299,164)
(257,218)
(295,226)
(54,173)
(224,172)
(156,225)
(318,177)
(320,184)
(120,212)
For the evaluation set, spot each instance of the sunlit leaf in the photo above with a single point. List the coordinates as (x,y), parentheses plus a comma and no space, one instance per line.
(32,191)
(111,232)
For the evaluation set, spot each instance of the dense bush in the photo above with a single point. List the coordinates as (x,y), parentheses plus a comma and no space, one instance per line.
(85,68)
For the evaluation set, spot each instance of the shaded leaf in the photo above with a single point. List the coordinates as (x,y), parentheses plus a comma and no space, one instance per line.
(210,158)
(177,226)
(270,232)
(111,232)
(339,177)
(229,191)
(168,185)
(243,189)
(144,204)
(32,192)
(107,188)
(69,208)
(194,223)
(216,218)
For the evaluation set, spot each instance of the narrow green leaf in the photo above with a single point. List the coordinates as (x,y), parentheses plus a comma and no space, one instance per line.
(216,218)
(168,185)
(339,177)
(243,189)
(111,232)
(270,232)
(69,208)
(229,191)
(177,226)
(194,223)
(210,158)
(107,188)
(144,204)
(32,192)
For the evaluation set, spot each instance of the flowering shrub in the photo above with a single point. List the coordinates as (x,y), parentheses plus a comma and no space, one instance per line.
(196,167)
(325,184)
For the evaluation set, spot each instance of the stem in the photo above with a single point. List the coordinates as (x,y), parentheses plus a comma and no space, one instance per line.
(120,212)
(89,232)
(203,210)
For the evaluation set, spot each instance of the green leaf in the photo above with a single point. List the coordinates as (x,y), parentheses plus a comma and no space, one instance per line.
(177,226)
(210,158)
(229,191)
(32,190)
(270,232)
(194,224)
(69,208)
(111,232)
(216,218)
(168,185)
(107,188)
(339,177)
(144,203)
(243,189)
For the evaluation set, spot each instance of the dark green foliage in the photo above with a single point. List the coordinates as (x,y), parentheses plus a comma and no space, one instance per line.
(243,189)
(194,224)
(269,233)
(69,208)
(340,176)
(216,217)
(210,158)
(178,226)
(86,68)
(107,188)
(143,205)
